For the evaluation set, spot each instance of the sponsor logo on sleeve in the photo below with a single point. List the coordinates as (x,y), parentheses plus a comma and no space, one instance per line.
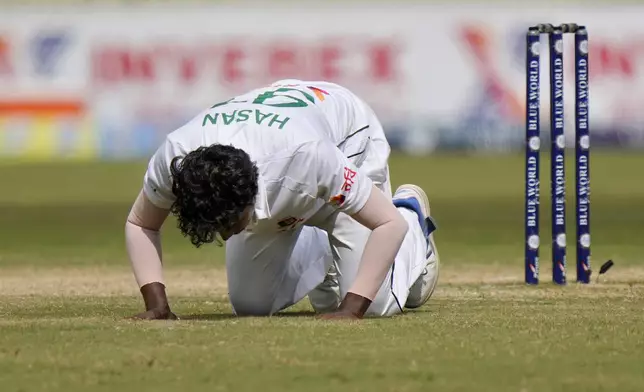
(349,180)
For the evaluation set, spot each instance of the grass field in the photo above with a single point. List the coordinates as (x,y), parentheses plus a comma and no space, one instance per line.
(66,290)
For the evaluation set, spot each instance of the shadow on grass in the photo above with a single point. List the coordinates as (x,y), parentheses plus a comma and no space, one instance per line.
(229,316)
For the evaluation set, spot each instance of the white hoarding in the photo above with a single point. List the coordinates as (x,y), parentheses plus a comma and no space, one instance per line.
(110,82)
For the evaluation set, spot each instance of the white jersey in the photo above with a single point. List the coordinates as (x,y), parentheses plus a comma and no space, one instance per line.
(301,135)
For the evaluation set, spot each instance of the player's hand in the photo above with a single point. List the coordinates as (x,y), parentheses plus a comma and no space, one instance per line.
(353,307)
(156,314)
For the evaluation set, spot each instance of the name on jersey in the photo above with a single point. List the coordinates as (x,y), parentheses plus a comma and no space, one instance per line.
(246,115)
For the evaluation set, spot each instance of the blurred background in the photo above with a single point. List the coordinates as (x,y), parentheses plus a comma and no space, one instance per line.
(88,89)
(108,79)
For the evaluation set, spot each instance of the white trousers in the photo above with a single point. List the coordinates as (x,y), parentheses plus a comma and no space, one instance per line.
(267,274)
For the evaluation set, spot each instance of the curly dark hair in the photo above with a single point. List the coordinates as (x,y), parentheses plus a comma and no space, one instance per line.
(213,185)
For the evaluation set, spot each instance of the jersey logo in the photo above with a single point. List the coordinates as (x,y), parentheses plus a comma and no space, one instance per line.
(289,223)
(337,200)
(349,180)
(319,93)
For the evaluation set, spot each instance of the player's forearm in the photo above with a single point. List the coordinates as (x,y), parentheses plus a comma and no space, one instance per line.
(143,243)
(379,254)
(144,250)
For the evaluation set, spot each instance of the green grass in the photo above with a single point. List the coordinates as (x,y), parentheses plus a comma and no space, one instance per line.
(74,214)
(66,288)
(458,345)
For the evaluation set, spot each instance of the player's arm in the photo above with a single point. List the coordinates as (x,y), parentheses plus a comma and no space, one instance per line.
(142,233)
(388,229)
(354,193)
(143,241)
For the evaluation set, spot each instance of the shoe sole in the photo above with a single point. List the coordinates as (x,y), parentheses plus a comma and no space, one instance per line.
(426,210)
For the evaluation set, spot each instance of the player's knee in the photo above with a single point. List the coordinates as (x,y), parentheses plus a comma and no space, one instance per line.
(245,304)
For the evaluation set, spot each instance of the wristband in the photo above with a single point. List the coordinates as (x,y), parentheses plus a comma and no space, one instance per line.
(154,296)
(355,304)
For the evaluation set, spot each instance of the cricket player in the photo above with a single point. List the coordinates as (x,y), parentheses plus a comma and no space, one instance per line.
(294,178)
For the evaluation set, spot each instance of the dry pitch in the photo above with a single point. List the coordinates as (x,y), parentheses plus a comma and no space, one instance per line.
(66,288)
